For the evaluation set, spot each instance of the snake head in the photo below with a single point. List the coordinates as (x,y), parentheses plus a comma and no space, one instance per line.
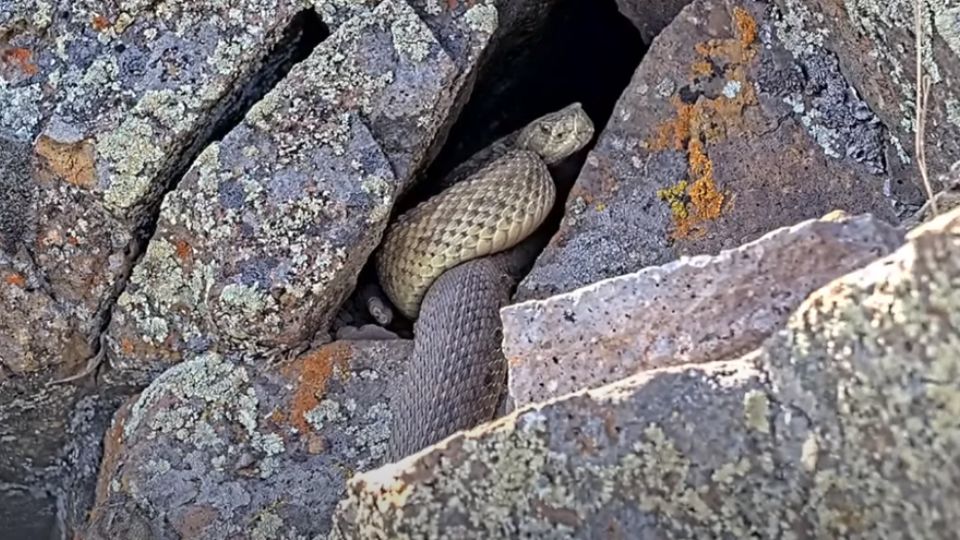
(558,134)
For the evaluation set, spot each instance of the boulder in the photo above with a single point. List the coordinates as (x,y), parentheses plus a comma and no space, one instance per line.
(843,424)
(693,310)
(875,43)
(258,246)
(721,137)
(215,449)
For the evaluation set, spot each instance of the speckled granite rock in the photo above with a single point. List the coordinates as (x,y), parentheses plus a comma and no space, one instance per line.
(692,310)
(720,137)
(874,41)
(266,234)
(844,424)
(214,449)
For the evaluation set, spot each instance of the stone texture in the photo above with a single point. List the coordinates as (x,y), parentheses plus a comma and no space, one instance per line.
(692,310)
(650,16)
(843,424)
(104,107)
(217,449)
(875,43)
(720,137)
(266,234)
(112,98)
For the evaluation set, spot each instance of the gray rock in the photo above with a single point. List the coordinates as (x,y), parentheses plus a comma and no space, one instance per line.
(111,99)
(843,424)
(702,154)
(875,44)
(115,100)
(261,242)
(650,16)
(692,310)
(215,449)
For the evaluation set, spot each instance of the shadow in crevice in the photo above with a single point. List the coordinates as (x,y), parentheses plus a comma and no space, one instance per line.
(584,51)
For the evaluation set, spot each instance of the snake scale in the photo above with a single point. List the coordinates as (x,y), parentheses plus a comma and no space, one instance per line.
(451,263)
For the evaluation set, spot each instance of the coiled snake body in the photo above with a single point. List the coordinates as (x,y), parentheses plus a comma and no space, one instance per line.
(451,263)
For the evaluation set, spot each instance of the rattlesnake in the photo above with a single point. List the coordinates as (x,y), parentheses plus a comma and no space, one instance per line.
(451,262)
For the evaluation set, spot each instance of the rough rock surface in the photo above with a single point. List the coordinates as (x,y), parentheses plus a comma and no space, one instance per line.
(720,137)
(261,241)
(692,310)
(112,98)
(214,449)
(650,16)
(104,106)
(844,424)
(875,43)
(104,101)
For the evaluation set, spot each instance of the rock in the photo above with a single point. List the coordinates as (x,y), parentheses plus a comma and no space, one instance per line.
(112,100)
(261,242)
(108,105)
(650,17)
(215,448)
(875,44)
(843,424)
(102,103)
(692,310)
(720,137)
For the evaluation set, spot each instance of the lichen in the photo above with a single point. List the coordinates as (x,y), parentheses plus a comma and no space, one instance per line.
(483,18)
(862,389)
(707,120)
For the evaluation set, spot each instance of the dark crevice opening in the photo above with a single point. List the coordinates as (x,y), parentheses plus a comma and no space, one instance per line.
(302,35)
(585,51)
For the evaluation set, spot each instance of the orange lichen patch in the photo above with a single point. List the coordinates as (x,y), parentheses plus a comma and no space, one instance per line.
(127,345)
(183,250)
(20,58)
(100,23)
(705,200)
(72,162)
(701,68)
(16,279)
(311,373)
(708,120)
(746,26)
(674,133)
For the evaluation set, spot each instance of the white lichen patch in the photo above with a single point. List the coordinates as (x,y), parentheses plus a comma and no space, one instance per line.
(20,109)
(158,284)
(411,37)
(483,18)
(132,150)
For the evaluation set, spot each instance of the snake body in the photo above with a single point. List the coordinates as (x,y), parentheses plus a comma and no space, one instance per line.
(451,262)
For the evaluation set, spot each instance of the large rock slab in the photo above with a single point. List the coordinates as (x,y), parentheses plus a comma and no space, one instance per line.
(214,449)
(843,424)
(101,104)
(112,99)
(721,137)
(693,310)
(265,236)
(875,44)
